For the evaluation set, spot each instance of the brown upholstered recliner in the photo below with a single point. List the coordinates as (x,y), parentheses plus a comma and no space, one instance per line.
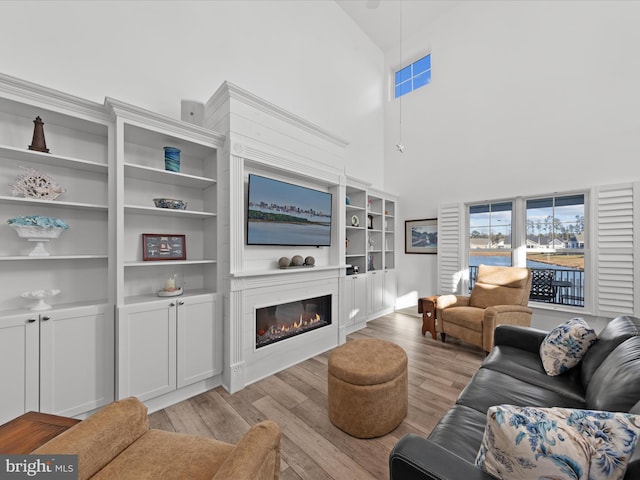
(117,443)
(500,295)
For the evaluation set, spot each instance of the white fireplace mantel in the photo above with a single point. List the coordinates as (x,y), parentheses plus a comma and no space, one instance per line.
(265,139)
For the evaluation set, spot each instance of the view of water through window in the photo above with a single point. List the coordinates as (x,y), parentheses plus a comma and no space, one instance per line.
(555,244)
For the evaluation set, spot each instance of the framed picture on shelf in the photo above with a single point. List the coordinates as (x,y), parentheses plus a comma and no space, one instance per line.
(421,236)
(163,246)
(370,222)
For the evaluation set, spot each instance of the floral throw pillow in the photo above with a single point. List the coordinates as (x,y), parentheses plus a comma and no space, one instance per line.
(523,443)
(565,345)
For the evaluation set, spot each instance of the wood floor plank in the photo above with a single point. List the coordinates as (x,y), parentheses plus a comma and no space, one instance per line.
(186,419)
(296,398)
(334,461)
(223,420)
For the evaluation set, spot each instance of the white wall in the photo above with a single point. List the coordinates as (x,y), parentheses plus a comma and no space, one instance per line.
(306,57)
(527,97)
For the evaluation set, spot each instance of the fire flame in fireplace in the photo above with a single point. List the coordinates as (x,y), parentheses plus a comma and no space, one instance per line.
(277,322)
(296,325)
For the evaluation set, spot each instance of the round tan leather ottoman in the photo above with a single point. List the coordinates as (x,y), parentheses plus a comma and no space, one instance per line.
(368,387)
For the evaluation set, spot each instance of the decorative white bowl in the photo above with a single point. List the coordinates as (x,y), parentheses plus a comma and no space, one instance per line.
(171,203)
(40,235)
(40,295)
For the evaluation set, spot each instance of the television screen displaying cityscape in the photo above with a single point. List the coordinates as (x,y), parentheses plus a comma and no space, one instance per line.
(281,213)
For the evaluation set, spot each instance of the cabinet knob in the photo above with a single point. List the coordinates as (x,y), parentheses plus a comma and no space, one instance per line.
(180,303)
(31,320)
(172,304)
(44,319)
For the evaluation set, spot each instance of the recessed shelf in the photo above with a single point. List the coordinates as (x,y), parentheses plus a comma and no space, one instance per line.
(55,257)
(51,159)
(157,263)
(52,203)
(142,172)
(135,299)
(55,307)
(167,212)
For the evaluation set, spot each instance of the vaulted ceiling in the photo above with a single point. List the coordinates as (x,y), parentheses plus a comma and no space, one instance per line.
(381,20)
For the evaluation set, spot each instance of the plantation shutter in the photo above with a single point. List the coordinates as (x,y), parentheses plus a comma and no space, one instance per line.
(450,248)
(615,270)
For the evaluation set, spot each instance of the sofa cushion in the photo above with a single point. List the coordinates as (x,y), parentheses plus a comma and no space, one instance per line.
(527,366)
(191,457)
(565,345)
(617,331)
(533,443)
(615,385)
(460,431)
(489,387)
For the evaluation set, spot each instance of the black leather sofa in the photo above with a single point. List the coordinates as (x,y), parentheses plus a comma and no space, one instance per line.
(607,378)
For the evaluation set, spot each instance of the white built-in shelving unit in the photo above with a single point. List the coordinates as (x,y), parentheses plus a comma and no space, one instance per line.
(370,248)
(140,137)
(44,353)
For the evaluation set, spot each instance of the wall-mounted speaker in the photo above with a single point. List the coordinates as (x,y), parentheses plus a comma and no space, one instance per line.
(192,112)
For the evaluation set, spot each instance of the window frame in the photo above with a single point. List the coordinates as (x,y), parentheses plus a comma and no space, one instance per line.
(411,77)
(519,243)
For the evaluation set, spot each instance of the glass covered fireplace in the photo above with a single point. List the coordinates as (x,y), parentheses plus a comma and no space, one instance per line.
(277,322)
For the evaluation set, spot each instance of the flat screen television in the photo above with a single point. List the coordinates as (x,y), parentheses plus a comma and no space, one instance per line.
(281,213)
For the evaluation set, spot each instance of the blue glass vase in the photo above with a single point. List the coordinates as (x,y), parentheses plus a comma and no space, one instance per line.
(172,159)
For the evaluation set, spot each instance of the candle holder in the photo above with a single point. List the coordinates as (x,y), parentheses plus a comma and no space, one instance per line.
(171,288)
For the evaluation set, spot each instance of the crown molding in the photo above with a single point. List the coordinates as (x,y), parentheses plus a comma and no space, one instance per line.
(28,92)
(168,124)
(228,91)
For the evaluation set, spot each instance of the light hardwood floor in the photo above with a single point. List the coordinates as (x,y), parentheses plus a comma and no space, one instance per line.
(296,398)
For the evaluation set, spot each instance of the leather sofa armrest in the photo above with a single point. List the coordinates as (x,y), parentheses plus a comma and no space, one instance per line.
(256,456)
(525,338)
(415,457)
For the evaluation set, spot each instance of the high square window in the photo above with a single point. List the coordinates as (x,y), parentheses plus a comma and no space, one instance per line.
(413,76)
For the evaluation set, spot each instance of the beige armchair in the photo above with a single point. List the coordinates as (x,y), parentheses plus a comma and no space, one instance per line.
(500,295)
(117,443)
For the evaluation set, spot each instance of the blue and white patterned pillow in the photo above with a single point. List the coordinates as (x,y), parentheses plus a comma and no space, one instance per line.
(527,443)
(565,345)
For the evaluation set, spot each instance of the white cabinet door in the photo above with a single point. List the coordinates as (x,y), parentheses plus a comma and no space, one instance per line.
(356,300)
(18,365)
(390,288)
(147,349)
(375,281)
(198,336)
(76,359)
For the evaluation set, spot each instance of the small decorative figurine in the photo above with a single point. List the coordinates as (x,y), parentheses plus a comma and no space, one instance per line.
(38,142)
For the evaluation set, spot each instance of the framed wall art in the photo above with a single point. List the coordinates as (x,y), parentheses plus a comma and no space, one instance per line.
(421,236)
(163,246)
